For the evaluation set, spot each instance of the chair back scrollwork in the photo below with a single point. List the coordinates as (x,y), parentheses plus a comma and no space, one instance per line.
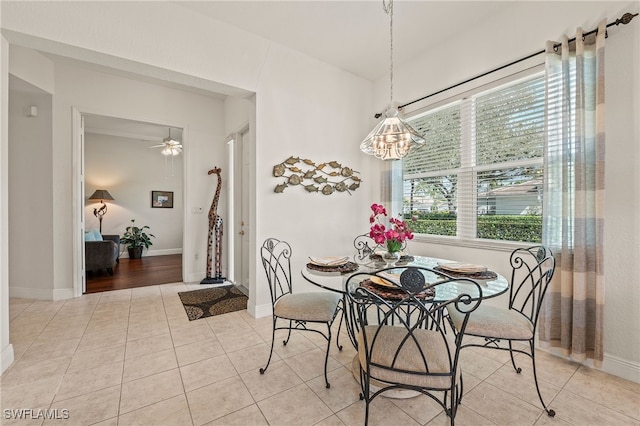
(531,273)
(276,260)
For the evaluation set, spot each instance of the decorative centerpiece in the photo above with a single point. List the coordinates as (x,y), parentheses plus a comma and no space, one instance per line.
(393,238)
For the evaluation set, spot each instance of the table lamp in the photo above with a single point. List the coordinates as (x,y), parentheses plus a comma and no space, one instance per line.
(100,194)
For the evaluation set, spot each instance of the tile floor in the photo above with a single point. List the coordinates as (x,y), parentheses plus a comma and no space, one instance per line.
(131,357)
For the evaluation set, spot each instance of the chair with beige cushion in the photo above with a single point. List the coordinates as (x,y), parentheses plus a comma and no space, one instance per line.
(298,309)
(531,272)
(404,340)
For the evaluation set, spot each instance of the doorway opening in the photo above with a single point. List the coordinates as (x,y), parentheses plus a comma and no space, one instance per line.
(238,150)
(134,161)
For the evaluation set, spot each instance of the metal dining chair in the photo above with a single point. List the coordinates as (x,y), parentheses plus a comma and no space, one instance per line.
(365,247)
(404,339)
(531,272)
(298,309)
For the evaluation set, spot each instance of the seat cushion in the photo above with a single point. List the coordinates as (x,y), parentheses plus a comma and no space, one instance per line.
(489,321)
(433,345)
(315,307)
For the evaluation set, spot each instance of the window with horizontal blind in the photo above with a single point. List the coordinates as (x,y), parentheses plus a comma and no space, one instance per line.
(480,174)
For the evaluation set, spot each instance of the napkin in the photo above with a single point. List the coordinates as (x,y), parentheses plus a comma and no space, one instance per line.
(386,278)
(329,260)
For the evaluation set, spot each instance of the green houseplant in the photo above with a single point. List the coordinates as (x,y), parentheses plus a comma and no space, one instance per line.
(136,239)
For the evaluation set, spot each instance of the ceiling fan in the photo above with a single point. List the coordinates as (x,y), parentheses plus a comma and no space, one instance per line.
(169,146)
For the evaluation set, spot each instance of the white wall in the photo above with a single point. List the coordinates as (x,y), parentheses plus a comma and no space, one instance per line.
(6,348)
(297,98)
(299,116)
(460,59)
(130,170)
(30,191)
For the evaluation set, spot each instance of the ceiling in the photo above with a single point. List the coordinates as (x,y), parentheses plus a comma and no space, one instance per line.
(137,130)
(352,35)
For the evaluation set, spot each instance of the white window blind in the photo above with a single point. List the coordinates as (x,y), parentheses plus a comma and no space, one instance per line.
(480,173)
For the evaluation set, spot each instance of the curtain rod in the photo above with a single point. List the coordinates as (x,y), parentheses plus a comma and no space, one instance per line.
(625,19)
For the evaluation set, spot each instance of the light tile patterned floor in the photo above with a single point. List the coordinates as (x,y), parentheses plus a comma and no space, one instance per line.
(131,357)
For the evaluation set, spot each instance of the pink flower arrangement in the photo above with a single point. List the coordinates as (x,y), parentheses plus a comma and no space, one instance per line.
(393,237)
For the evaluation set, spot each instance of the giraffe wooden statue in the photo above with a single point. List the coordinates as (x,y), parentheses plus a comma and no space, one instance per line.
(215,229)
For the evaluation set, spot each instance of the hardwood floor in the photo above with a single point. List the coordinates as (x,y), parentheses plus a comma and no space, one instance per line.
(129,273)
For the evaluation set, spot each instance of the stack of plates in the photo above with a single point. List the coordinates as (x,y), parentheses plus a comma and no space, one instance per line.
(462,268)
(329,260)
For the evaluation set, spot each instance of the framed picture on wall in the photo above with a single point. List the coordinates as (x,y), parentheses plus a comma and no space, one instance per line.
(162,199)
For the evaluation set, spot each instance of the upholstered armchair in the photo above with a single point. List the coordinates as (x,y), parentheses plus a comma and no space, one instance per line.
(102,254)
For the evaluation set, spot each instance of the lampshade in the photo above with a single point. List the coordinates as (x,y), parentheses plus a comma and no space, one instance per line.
(101,194)
(392,138)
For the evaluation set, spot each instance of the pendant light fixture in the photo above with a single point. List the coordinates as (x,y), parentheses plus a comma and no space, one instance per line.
(392,138)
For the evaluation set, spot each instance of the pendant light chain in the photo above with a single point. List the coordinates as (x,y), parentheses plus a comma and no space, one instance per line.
(392,138)
(388,9)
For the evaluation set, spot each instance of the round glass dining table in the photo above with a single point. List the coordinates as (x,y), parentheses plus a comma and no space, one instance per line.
(492,286)
(336,281)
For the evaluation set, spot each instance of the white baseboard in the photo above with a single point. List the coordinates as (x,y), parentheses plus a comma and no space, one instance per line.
(258,311)
(621,368)
(611,364)
(194,277)
(6,357)
(151,252)
(41,293)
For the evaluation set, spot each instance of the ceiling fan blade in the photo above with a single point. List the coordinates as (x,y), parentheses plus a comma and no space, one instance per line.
(157,146)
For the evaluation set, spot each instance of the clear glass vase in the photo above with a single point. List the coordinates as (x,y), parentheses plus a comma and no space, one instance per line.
(391,258)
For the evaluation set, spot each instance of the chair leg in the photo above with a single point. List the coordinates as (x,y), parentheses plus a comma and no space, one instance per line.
(364,380)
(284,342)
(342,314)
(453,406)
(273,339)
(550,412)
(513,362)
(326,356)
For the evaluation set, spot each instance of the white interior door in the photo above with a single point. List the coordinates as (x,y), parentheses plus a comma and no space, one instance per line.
(79,282)
(239,208)
(244,210)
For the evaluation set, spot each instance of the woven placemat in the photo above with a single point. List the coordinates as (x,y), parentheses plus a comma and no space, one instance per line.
(343,269)
(393,293)
(484,275)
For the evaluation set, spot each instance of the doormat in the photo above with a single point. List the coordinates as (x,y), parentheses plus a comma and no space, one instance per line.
(208,302)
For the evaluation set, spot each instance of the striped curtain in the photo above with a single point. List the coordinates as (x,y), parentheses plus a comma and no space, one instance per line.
(572,316)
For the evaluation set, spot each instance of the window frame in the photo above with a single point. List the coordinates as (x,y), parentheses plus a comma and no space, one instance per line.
(465,229)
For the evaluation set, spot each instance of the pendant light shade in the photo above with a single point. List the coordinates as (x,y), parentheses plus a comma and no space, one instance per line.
(393,137)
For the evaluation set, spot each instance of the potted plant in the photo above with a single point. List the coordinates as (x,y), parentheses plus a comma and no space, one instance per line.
(136,239)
